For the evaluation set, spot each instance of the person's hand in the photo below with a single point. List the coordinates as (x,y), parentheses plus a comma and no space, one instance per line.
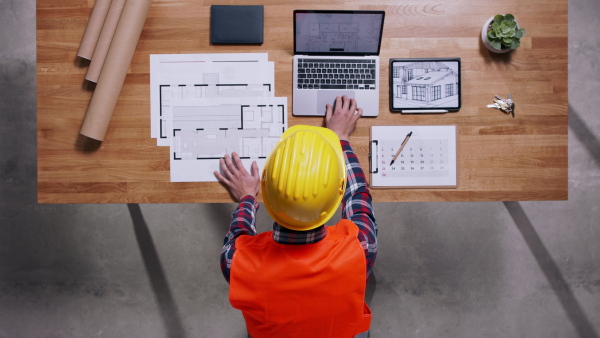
(342,118)
(236,177)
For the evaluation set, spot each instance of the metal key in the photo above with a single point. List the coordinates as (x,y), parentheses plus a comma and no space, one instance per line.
(506,106)
(511,105)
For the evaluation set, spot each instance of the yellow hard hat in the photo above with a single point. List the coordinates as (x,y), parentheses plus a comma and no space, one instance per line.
(304,179)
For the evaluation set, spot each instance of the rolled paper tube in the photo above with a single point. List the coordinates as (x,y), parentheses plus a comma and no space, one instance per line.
(115,69)
(93,28)
(104,40)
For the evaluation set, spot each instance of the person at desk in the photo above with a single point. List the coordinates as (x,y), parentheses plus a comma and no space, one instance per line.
(303,279)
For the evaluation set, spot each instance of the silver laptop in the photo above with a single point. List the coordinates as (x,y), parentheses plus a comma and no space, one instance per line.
(336,53)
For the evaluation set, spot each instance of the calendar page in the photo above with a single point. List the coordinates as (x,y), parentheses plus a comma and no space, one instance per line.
(428,158)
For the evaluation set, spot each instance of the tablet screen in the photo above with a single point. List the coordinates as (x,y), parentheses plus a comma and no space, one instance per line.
(425,84)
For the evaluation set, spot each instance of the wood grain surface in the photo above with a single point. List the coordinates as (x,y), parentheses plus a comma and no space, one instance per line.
(499,158)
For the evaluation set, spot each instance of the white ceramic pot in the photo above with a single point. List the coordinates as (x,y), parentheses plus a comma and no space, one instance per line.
(485,40)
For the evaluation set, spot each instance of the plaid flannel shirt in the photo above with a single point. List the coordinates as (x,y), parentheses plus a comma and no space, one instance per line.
(356,206)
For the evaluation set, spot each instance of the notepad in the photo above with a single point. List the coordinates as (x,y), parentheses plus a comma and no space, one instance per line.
(428,160)
(236,24)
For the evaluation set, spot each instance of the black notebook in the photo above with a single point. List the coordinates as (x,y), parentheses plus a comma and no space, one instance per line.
(236,24)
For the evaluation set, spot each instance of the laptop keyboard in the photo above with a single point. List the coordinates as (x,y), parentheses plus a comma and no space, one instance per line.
(336,74)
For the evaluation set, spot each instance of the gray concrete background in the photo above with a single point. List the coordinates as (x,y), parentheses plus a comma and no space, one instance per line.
(513,269)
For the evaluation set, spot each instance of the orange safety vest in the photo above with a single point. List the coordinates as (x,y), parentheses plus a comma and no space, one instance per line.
(310,290)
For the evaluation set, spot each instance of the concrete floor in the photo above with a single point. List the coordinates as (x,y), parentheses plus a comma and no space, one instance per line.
(513,269)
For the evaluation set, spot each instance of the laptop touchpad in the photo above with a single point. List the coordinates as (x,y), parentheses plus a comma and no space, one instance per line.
(328,96)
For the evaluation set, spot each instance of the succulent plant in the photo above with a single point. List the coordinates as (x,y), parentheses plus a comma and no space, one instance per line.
(503,32)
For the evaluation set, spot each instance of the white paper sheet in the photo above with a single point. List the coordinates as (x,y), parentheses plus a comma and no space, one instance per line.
(204,130)
(189,70)
(427,160)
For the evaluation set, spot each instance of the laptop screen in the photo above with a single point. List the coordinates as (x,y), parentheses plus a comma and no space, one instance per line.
(318,32)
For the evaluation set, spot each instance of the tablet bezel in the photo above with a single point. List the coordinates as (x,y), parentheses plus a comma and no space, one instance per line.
(425,109)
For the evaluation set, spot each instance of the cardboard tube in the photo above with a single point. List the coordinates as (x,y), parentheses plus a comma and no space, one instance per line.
(115,69)
(104,40)
(93,28)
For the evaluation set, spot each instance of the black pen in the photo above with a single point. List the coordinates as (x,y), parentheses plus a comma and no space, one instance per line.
(401,147)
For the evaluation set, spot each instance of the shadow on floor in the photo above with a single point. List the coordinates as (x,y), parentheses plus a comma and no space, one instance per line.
(158,280)
(556,280)
(584,135)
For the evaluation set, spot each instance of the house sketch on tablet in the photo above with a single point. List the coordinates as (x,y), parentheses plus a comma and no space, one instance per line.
(425,84)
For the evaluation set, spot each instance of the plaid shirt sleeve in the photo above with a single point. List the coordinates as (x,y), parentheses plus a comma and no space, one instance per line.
(357,206)
(243,222)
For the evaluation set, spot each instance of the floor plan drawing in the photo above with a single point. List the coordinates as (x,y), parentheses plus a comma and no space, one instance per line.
(249,130)
(334,36)
(204,106)
(209,80)
(203,131)
(210,89)
(204,76)
(342,32)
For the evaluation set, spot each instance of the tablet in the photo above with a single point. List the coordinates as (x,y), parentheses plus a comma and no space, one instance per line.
(425,85)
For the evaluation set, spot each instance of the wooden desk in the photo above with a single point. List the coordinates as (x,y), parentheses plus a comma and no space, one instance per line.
(500,158)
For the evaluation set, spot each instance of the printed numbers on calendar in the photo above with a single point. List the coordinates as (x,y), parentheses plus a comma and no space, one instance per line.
(423,158)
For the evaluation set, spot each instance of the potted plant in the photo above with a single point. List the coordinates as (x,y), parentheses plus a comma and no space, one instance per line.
(502,33)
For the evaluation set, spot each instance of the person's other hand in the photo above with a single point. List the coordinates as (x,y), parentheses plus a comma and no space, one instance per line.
(239,181)
(343,117)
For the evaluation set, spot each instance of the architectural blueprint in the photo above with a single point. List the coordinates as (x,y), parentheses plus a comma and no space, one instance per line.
(204,76)
(204,130)
(207,105)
